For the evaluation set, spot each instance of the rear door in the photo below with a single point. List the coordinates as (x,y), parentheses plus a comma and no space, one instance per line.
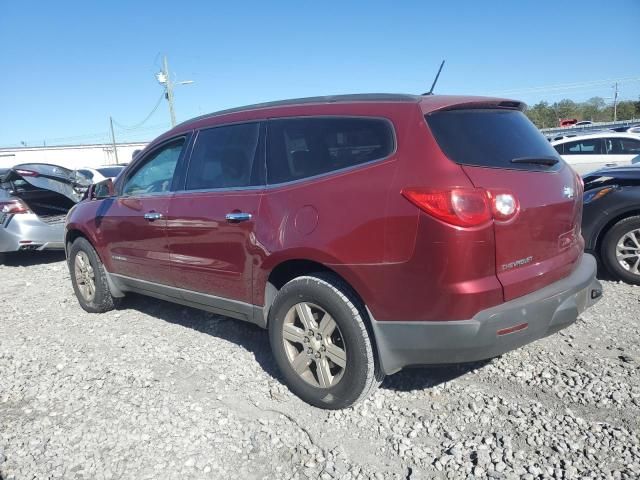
(211,221)
(584,155)
(622,151)
(501,150)
(133,224)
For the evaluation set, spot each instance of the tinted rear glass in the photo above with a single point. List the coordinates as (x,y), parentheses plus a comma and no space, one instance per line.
(304,147)
(489,138)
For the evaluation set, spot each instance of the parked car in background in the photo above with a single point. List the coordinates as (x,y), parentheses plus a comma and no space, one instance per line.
(98,174)
(583,123)
(611,220)
(366,232)
(635,129)
(592,151)
(34,200)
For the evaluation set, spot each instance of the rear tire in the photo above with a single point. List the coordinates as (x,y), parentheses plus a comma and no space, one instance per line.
(620,250)
(89,278)
(321,343)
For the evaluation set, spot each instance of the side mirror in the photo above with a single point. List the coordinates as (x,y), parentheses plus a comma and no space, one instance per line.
(103,189)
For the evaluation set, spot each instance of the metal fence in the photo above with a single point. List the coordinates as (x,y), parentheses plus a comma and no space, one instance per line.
(587,128)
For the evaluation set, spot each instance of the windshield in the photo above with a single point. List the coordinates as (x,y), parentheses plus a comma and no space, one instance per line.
(490,138)
(110,171)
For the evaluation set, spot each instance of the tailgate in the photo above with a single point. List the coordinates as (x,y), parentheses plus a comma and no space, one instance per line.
(542,243)
(500,150)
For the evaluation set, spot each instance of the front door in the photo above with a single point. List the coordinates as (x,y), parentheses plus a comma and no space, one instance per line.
(134,224)
(211,222)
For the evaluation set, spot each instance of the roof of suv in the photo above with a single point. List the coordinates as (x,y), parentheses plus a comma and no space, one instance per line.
(428,103)
(434,102)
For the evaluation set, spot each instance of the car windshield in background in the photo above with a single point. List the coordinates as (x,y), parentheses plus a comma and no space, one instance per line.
(110,171)
(491,138)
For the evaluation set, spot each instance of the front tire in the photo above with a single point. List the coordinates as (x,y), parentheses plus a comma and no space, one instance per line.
(620,252)
(89,278)
(321,343)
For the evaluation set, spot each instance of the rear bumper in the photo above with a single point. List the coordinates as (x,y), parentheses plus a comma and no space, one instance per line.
(28,232)
(493,331)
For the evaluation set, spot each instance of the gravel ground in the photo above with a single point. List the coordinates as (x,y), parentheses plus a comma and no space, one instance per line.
(156,390)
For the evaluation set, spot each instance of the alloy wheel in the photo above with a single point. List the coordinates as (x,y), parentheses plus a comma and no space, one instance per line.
(628,251)
(314,345)
(85,277)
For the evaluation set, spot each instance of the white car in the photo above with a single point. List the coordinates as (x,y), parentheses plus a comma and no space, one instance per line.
(98,174)
(592,151)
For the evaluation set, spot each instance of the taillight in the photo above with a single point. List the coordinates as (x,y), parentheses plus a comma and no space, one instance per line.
(504,205)
(13,206)
(464,207)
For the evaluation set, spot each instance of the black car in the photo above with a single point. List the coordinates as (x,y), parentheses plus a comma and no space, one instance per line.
(611,220)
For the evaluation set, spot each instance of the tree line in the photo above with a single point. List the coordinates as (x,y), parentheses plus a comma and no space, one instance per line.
(547,115)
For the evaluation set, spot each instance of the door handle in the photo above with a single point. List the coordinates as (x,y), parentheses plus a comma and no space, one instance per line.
(237,217)
(151,216)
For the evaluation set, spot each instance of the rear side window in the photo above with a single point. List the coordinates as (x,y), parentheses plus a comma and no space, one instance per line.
(304,147)
(622,146)
(591,146)
(223,157)
(489,137)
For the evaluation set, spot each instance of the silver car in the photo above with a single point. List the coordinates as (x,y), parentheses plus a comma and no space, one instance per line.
(34,201)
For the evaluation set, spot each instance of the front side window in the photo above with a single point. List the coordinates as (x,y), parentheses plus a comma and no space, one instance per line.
(590,146)
(304,147)
(223,157)
(156,173)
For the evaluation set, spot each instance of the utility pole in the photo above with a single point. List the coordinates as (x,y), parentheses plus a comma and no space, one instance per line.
(169,92)
(615,102)
(164,79)
(113,140)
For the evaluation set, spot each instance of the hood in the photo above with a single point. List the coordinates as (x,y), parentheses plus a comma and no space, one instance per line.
(623,176)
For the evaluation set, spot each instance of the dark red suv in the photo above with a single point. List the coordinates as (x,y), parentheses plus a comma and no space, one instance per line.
(366,232)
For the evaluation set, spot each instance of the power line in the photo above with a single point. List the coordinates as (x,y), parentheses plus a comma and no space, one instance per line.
(567,86)
(139,124)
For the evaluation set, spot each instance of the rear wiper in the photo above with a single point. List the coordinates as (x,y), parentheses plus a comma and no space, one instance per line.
(548,161)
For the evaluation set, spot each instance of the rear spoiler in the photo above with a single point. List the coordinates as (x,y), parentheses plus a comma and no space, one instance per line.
(505,104)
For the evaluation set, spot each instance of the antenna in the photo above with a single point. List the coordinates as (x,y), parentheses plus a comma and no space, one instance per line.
(435,80)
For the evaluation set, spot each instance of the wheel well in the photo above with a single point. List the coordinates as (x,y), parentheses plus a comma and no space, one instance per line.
(290,269)
(603,231)
(71,237)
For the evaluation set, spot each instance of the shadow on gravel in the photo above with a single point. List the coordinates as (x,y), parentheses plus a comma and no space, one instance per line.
(250,337)
(420,378)
(28,259)
(256,340)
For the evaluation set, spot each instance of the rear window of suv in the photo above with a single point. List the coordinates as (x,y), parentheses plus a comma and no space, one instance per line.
(489,138)
(304,147)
